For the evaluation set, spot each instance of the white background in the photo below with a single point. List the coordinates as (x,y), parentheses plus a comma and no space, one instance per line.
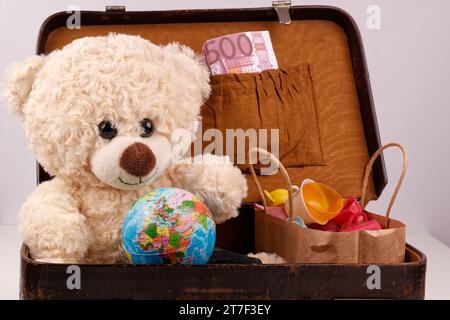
(409,67)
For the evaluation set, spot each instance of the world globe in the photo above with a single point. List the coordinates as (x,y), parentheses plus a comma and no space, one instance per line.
(168,225)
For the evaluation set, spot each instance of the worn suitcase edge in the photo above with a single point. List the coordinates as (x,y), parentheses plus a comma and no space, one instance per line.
(325,281)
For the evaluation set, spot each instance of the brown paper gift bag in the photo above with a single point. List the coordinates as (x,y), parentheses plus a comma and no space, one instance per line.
(302,245)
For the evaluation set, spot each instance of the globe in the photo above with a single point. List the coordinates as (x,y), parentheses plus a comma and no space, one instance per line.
(168,225)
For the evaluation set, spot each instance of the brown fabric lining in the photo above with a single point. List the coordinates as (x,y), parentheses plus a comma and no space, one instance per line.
(274,99)
(323,45)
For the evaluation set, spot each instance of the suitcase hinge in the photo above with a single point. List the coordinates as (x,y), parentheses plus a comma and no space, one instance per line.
(282,10)
(115,8)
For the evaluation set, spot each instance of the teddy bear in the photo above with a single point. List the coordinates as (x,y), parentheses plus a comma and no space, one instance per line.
(100,116)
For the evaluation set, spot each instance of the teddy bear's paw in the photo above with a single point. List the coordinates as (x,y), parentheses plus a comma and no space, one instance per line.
(216,181)
(223,202)
(223,189)
(69,247)
(55,237)
(267,258)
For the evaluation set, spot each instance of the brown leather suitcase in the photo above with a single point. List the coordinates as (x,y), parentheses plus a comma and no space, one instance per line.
(328,40)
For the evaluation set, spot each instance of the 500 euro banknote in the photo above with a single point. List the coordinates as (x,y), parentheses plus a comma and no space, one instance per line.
(243,52)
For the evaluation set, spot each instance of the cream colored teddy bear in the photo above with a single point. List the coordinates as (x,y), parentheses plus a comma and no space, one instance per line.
(100,115)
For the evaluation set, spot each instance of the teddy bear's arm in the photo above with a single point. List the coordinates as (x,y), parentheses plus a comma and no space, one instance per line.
(216,181)
(51,225)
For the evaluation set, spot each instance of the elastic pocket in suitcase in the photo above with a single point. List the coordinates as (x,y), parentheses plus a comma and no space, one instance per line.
(280,99)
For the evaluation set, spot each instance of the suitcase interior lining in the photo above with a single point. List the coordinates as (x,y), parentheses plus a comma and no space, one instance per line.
(323,45)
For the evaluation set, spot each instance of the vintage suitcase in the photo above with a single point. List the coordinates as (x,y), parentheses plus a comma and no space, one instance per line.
(327,41)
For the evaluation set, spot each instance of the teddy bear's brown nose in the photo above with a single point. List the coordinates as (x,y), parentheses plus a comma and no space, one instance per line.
(138,159)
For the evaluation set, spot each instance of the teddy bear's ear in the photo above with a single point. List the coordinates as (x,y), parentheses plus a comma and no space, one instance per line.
(195,68)
(18,81)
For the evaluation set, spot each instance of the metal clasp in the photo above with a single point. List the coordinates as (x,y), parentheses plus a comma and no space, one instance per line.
(115,8)
(282,10)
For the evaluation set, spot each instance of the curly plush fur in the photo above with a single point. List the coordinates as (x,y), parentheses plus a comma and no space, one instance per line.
(61,98)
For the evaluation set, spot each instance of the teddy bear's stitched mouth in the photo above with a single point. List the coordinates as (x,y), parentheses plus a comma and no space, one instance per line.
(140,179)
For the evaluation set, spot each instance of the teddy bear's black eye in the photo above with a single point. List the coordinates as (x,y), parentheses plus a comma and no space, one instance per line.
(147,128)
(107,130)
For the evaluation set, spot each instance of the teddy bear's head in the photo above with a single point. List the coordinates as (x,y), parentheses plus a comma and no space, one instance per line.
(107,106)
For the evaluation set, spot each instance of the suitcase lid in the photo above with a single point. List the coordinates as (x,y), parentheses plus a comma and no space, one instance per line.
(324,37)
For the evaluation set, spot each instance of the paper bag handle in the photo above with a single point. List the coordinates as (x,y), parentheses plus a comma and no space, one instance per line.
(285,175)
(369,170)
